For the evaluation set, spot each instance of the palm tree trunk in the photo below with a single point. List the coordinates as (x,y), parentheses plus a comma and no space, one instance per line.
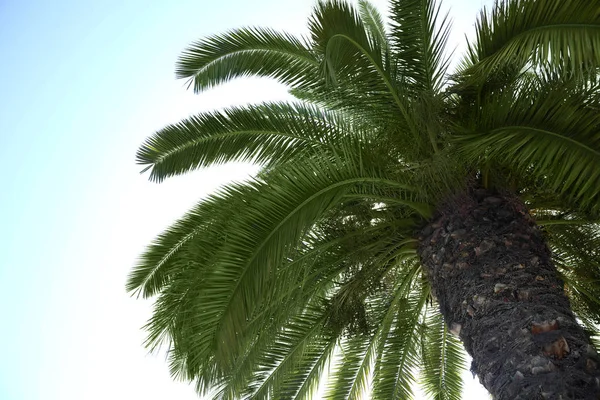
(498,289)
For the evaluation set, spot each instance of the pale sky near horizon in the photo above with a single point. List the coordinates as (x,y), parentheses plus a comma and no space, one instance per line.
(82,84)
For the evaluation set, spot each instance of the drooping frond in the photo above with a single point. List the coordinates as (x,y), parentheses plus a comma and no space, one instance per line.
(291,349)
(303,383)
(560,32)
(265,352)
(575,243)
(396,368)
(306,275)
(247,52)
(351,374)
(443,359)
(354,371)
(269,134)
(265,228)
(293,213)
(200,227)
(549,132)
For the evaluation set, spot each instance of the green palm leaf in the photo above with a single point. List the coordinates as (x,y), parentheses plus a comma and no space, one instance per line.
(287,353)
(419,39)
(548,132)
(162,258)
(243,52)
(307,377)
(351,372)
(395,369)
(349,56)
(443,359)
(575,251)
(375,27)
(269,133)
(354,369)
(563,33)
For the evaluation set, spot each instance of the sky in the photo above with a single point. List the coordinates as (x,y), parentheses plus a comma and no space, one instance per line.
(82,84)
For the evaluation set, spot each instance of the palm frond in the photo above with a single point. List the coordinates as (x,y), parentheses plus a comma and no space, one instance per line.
(575,252)
(284,379)
(562,33)
(350,376)
(443,359)
(259,340)
(309,276)
(268,134)
(273,222)
(350,58)
(308,273)
(164,255)
(257,240)
(547,132)
(307,379)
(375,26)
(245,52)
(290,350)
(419,35)
(395,369)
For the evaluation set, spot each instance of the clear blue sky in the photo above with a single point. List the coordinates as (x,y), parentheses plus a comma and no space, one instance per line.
(82,83)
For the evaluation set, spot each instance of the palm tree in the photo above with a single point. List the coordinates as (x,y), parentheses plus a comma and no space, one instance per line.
(399,210)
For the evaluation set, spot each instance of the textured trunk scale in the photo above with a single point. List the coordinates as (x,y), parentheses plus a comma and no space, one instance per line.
(492,274)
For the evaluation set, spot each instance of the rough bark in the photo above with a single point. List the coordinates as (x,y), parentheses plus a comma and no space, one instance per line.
(492,274)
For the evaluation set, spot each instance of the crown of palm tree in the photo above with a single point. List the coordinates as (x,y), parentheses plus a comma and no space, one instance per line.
(265,283)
